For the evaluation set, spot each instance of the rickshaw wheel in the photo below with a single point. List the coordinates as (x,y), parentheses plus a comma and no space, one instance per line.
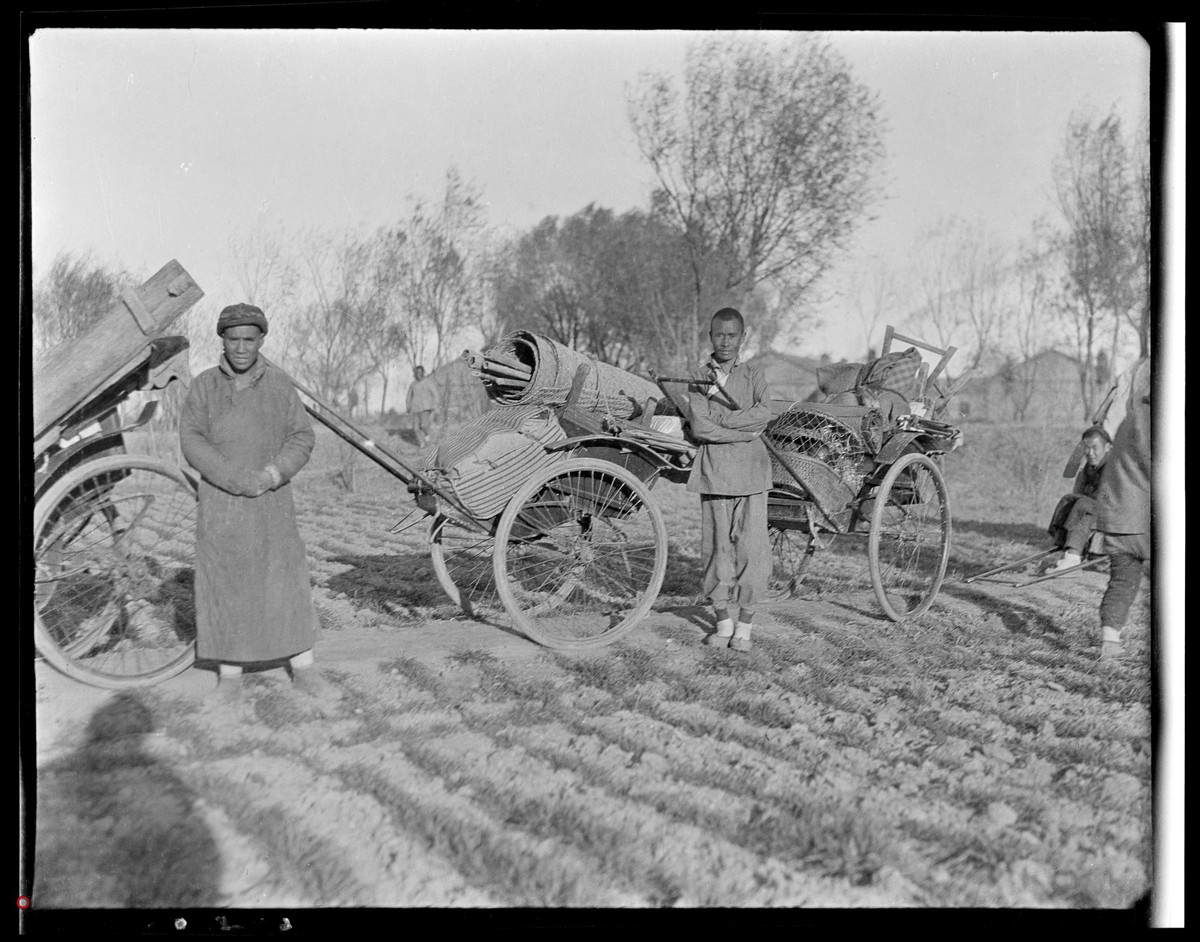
(581,551)
(909,543)
(791,554)
(114,585)
(462,561)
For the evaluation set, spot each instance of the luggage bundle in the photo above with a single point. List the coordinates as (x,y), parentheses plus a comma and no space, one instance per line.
(485,461)
(528,369)
(887,383)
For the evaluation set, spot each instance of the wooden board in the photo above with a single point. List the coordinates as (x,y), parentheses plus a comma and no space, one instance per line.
(69,374)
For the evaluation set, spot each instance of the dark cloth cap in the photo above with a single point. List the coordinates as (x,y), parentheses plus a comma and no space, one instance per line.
(241,315)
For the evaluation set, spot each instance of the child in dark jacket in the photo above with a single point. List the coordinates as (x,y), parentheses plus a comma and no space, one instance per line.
(1074,519)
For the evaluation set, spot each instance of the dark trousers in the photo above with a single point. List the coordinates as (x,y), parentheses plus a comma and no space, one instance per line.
(736,549)
(1073,522)
(1128,554)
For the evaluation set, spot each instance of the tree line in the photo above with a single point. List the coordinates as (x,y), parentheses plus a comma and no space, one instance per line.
(765,160)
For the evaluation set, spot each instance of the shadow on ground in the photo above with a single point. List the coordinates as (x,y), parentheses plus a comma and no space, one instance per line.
(1020,618)
(1014,532)
(387,581)
(115,827)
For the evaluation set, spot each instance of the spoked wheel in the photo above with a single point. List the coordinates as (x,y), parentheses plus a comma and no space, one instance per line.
(791,554)
(462,560)
(114,587)
(580,555)
(909,543)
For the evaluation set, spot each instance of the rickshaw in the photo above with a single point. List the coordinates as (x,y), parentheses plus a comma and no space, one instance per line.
(575,556)
(113,531)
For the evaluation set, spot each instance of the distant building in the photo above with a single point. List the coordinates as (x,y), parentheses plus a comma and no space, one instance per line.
(1044,388)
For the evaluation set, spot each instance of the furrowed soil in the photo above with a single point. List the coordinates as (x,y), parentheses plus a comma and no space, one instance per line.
(981,756)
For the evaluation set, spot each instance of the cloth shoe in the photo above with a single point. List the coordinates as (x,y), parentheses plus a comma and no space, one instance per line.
(1110,644)
(724,633)
(1111,650)
(1068,561)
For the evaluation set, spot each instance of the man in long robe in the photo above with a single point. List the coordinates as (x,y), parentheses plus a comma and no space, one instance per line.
(245,430)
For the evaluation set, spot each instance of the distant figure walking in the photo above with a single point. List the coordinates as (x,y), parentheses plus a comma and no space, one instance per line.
(422,399)
(245,430)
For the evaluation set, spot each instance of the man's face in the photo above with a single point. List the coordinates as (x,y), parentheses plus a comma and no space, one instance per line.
(1095,450)
(241,346)
(726,337)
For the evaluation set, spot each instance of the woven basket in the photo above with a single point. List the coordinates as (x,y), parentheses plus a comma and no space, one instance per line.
(847,430)
(823,484)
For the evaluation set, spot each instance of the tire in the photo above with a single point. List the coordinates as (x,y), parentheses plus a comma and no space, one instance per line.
(462,561)
(909,542)
(114,589)
(580,555)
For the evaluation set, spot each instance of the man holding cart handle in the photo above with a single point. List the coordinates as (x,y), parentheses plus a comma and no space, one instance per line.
(732,475)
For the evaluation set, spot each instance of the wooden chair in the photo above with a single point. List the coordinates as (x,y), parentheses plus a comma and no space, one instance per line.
(926,378)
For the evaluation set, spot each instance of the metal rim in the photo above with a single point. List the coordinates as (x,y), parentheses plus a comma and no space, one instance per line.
(909,543)
(580,555)
(792,551)
(462,562)
(114,551)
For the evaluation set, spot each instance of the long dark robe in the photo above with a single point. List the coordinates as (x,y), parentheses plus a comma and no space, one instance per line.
(253,595)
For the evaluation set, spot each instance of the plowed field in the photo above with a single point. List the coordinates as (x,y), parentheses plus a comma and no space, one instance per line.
(979,756)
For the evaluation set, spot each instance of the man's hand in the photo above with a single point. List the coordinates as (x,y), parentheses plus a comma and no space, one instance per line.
(265,482)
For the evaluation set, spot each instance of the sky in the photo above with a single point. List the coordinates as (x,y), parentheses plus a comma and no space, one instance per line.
(148,145)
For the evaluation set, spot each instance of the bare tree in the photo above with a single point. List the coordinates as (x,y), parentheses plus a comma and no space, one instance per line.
(438,255)
(332,328)
(1027,335)
(873,292)
(267,274)
(75,293)
(1095,192)
(1143,236)
(765,163)
(938,315)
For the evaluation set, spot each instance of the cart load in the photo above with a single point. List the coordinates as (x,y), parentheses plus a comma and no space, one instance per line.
(484,462)
(888,383)
(528,369)
(829,448)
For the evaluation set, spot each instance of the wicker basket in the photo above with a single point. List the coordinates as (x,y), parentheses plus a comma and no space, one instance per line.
(824,486)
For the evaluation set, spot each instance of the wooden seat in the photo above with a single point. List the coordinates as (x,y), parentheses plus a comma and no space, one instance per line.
(927,378)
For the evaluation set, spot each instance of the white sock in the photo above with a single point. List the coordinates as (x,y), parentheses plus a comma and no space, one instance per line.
(743,629)
(1071,559)
(302,660)
(725,627)
(229,671)
(1111,634)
